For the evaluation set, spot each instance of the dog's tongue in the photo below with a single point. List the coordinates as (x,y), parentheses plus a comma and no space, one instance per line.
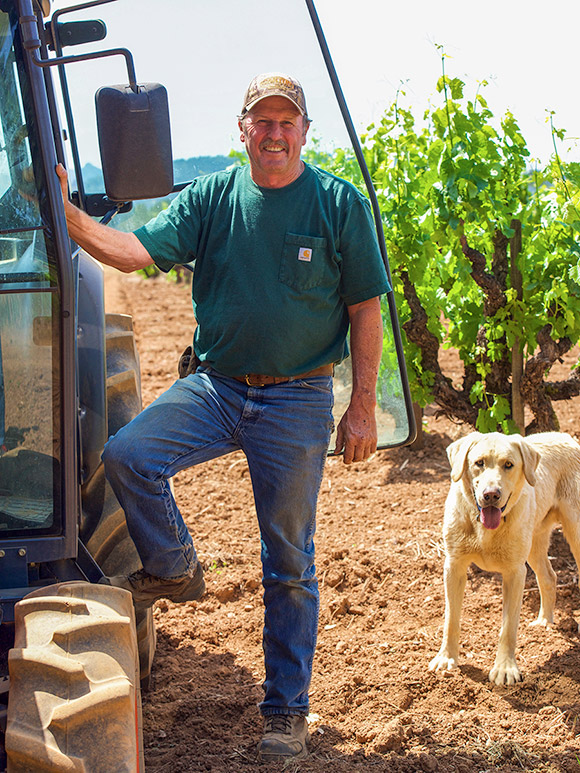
(490,517)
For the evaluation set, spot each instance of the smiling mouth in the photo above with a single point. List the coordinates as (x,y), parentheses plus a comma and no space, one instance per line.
(274,148)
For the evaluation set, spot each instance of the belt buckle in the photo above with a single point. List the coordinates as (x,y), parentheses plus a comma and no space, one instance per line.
(249,382)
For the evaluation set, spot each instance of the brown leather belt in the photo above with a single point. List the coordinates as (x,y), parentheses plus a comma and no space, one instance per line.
(259,380)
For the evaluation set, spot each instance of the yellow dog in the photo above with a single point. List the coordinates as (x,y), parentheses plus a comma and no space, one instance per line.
(507,494)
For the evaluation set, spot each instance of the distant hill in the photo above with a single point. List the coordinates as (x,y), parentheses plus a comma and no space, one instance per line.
(93,179)
(184,170)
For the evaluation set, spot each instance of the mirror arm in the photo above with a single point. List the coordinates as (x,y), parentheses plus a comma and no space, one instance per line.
(31,42)
(106,219)
(37,60)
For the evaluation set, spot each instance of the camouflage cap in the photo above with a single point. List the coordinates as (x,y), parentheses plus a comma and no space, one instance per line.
(274,84)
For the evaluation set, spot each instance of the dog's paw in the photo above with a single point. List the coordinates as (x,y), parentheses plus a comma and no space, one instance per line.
(442,662)
(505,671)
(543,622)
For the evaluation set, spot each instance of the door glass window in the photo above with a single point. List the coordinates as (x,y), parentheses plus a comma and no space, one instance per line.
(29,393)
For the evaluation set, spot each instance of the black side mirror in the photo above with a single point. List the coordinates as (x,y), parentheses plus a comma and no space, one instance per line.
(135,141)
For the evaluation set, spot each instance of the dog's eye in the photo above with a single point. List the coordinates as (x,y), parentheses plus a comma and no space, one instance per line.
(508,465)
(479,463)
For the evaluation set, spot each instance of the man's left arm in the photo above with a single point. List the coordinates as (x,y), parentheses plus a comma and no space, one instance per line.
(357,430)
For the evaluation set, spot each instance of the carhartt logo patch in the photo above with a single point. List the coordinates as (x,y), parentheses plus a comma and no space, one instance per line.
(305,253)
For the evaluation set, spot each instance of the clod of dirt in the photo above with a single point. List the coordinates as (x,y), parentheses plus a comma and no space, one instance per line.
(226,593)
(428,763)
(390,738)
(340,607)
(334,578)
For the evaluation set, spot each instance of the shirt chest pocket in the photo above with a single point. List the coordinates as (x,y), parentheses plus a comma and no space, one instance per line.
(305,262)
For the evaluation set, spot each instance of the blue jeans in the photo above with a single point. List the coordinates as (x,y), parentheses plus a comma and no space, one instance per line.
(284,431)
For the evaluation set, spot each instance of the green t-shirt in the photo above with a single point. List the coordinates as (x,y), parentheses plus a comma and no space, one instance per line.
(275,268)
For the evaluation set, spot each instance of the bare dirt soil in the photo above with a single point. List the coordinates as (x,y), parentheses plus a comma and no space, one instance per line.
(374,704)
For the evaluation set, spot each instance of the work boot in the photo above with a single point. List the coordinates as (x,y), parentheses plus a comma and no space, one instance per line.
(285,737)
(146,589)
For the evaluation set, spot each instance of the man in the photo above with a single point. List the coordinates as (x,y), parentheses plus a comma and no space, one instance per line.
(286,259)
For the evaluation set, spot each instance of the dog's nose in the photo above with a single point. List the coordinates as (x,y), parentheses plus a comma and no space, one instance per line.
(491,495)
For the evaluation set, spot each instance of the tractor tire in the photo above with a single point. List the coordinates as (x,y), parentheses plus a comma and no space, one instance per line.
(103,527)
(123,372)
(75,702)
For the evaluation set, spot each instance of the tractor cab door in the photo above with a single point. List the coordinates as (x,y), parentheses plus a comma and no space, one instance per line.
(30,431)
(205,57)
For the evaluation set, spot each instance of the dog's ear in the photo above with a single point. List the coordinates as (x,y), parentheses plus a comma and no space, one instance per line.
(457,454)
(531,459)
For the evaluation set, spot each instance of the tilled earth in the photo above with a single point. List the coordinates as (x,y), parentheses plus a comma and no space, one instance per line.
(374,704)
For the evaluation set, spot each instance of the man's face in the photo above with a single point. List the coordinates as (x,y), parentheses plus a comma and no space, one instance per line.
(274,132)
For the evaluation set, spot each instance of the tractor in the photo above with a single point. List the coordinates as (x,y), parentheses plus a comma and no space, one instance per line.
(74,656)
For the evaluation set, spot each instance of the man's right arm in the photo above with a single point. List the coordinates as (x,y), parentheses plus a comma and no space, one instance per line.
(114,248)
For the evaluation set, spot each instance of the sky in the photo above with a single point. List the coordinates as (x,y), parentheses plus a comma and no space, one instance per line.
(206,51)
